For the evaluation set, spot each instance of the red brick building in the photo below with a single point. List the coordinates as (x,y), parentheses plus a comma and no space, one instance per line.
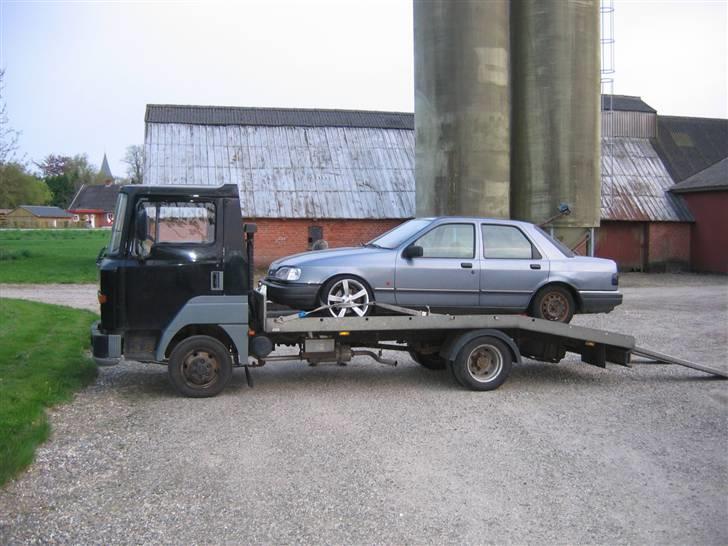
(706,194)
(93,205)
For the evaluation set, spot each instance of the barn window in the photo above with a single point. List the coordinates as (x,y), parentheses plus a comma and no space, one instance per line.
(315,234)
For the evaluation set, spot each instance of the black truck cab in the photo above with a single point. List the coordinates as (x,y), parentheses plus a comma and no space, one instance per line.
(178,264)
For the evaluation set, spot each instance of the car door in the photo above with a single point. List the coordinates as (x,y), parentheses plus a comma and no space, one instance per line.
(512,268)
(447,273)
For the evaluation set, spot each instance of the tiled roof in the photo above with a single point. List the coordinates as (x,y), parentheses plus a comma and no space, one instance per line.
(276,117)
(713,178)
(690,145)
(95,197)
(46,212)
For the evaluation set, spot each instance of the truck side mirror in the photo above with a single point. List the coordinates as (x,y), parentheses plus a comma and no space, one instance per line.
(413,251)
(143,246)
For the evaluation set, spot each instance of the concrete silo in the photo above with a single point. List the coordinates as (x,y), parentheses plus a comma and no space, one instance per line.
(556,108)
(462,107)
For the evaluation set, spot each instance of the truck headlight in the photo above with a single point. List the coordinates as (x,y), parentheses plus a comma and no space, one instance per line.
(288,273)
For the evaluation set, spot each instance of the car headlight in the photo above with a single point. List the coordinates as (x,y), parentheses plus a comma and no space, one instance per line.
(288,273)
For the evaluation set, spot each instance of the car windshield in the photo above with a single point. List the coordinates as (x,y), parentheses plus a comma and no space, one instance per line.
(565,250)
(395,237)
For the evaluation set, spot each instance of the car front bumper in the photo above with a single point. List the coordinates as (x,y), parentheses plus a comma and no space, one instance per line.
(599,301)
(106,348)
(296,295)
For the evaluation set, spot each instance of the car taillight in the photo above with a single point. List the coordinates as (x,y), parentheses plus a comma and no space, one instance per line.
(615,279)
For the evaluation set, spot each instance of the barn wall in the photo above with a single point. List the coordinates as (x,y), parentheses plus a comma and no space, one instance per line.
(278,237)
(709,241)
(668,246)
(622,242)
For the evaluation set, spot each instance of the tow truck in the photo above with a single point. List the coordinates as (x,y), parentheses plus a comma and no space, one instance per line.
(177,288)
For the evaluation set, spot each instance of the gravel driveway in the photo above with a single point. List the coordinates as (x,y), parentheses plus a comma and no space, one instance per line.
(364,454)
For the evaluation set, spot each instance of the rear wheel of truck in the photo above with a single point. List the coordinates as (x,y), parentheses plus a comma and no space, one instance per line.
(483,364)
(200,366)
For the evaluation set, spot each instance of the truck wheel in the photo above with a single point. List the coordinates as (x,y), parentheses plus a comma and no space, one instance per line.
(553,303)
(200,366)
(430,361)
(483,364)
(349,290)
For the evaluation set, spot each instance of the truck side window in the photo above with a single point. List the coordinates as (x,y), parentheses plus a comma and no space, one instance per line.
(186,223)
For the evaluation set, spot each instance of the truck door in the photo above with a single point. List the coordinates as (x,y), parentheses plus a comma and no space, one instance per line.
(177,255)
(447,273)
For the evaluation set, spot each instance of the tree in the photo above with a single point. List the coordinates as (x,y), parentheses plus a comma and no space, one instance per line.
(18,187)
(134,159)
(65,175)
(8,135)
(62,190)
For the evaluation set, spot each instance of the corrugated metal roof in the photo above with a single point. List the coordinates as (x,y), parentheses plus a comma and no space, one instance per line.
(277,117)
(291,172)
(626,103)
(689,145)
(713,178)
(360,172)
(635,184)
(45,212)
(95,198)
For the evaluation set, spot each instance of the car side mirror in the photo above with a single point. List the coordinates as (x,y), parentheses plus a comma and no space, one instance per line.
(413,251)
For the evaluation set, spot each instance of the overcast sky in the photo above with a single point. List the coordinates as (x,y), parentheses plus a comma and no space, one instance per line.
(79,74)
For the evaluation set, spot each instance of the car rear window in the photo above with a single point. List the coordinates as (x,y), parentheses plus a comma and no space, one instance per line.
(565,250)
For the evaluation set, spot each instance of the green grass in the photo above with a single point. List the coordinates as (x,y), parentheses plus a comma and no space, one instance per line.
(42,362)
(50,255)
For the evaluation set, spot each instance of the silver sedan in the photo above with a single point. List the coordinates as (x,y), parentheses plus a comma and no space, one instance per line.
(451,264)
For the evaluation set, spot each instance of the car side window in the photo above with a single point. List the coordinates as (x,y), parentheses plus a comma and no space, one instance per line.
(507,242)
(449,241)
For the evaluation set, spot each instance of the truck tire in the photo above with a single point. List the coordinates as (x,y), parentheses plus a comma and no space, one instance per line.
(553,303)
(429,361)
(200,366)
(483,364)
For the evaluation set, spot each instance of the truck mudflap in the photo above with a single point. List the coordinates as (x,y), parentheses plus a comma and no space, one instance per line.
(105,348)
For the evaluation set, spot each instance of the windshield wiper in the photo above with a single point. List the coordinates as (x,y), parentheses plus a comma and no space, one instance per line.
(372,245)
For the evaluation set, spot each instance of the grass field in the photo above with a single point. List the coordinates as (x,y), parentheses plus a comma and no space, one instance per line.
(50,256)
(42,362)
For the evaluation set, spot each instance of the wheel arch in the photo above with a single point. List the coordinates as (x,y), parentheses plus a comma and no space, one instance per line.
(453,346)
(336,276)
(563,284)
(212,330)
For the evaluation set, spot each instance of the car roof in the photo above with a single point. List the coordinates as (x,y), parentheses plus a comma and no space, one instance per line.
(503,221)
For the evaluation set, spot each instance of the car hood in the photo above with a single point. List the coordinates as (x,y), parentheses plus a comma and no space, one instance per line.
(321,256)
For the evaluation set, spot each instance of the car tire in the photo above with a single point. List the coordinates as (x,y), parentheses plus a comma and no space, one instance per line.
(338,289)
(429,361)
(483,364)
(199,367)
(553,303)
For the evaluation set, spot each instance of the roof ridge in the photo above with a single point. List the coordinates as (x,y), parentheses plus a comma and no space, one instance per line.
(279,109)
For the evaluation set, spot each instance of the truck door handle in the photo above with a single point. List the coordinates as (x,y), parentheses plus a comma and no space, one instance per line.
(466,265)
(535,266)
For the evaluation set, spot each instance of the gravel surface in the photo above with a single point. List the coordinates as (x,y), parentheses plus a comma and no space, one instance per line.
(364,454)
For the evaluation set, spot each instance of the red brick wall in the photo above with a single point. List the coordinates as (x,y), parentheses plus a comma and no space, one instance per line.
(709,242)
(622,242)
(636,246)
(279,237)
(668,246)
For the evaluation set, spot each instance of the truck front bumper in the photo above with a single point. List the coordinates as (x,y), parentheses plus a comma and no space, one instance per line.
(106,348)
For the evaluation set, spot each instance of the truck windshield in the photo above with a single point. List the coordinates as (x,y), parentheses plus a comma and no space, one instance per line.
(118,226)
(395,237)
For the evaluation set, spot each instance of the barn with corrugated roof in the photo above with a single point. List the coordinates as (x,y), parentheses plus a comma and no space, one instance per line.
(304,175)
(346,176)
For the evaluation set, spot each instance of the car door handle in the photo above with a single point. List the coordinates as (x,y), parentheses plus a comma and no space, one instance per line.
(466,265)
(535,266)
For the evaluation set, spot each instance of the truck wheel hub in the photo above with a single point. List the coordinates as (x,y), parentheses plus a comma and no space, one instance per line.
(200,368)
